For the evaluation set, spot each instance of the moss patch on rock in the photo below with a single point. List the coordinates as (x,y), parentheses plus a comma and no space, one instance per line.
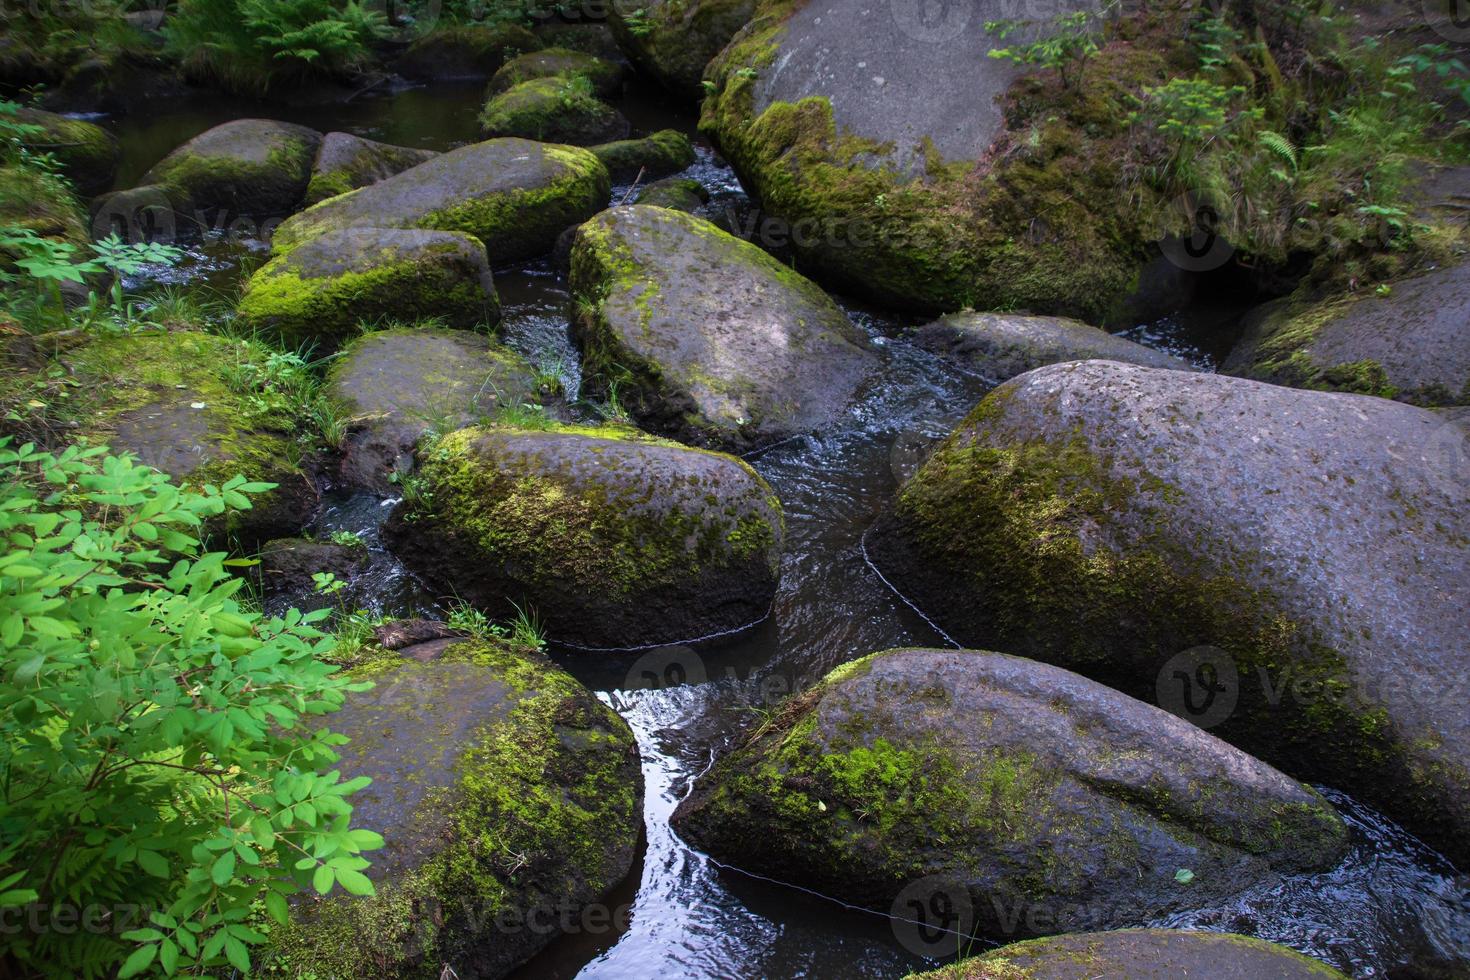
(252,168)
(606,77)
(665,152)
(87,152)
(42,203)
(556,109)
(345,163)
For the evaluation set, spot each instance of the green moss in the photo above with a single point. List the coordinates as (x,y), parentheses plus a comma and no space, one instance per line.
(86,151)
(563,63)
(558,110)
(666,152)
(32,199)
(204,179)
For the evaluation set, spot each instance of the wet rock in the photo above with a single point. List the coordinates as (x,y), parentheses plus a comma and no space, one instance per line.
(709,339)
(593,38)
(396,385)
(680,194)
(1412,344)
(1003,345)
(325,290)
(667,151)
(248,168)
(1025,787)
(346,162)
(1288,568)
(612,538)
(509,797)
(1139,954)
(403,634)
(463,52)
(288,564)
(606,77)
(165,398)
(673,41)
(88,153)
(32,200)
(514,195)
(556,110)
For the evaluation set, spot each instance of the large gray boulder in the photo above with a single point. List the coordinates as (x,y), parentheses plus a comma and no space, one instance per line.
(248,168)
(1139,954)
(1003,345)
(1412,344)
(326,290)
(1289,568)
(673,40)
(345,162)
(509,799)
(1045,801)
(514,195)
(613,538)
(396,385)
(708,338)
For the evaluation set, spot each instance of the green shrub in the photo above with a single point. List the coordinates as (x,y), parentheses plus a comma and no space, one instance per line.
(158,772)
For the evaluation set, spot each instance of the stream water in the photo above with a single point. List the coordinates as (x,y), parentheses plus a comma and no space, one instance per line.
(1392,908)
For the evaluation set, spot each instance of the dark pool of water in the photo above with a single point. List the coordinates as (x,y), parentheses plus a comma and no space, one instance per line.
(1390,903)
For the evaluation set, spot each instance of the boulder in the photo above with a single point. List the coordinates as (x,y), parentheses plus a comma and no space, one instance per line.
(678,193)
(1412,344)
(1046,802)
(557,110)
(248,168)
(606,76)
(88,153)
(398,384)
(673,40)
(346,162)
(463,52)
(709,339)
(1289,568)
(288,564)
(185,403)
(41,203)
(323,291)
(667,151)
(514,195)
(615,539)
(1003,345)
(1139,954)
(594,38)
(509,798)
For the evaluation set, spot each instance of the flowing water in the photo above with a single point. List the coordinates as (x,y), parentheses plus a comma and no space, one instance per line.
(1391,904)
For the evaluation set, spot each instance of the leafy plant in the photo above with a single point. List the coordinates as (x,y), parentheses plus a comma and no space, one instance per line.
(158,763)
(637,23)
(1066,49)
(47,263)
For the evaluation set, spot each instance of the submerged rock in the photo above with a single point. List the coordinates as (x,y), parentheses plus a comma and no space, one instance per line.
(509,798)
(1412,344)
(88,153)
(1046,801)
(1292,567)
(346,162)
(1003,345)
(611,537)
(463,51)
(396,385)
(1139,954)
(325,290)
(248,168)
(667,151)
(680,194)
(709,339)
(606,77)
(673,40)
(514,195)
(557,110)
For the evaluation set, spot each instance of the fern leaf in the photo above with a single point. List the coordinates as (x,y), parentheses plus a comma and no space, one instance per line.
(1281,146)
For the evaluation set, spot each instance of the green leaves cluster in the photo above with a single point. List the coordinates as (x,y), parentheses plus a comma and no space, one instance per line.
(160,772)
(47,262)
(1065,49)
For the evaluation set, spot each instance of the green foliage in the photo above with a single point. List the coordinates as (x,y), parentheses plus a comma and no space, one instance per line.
(157,756)
(524,631)
(1066,49)
(252,47)
(45,263)
(637,23)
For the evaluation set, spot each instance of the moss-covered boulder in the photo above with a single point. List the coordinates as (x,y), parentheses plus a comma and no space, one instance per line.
(614,539)
(463,51)
(88,153)
(708,338)
(1306,553)
(325,290)
(42,203)
(346,162)
(673,40)
(590,37)
(678,193)
(1003,345)
(1025,787)
(1413,343)
(667,151)
(1139,954)
(509,798)
(248,168)
(606,76)
(190,404)
(514,195)
(398,384)
(556,110)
